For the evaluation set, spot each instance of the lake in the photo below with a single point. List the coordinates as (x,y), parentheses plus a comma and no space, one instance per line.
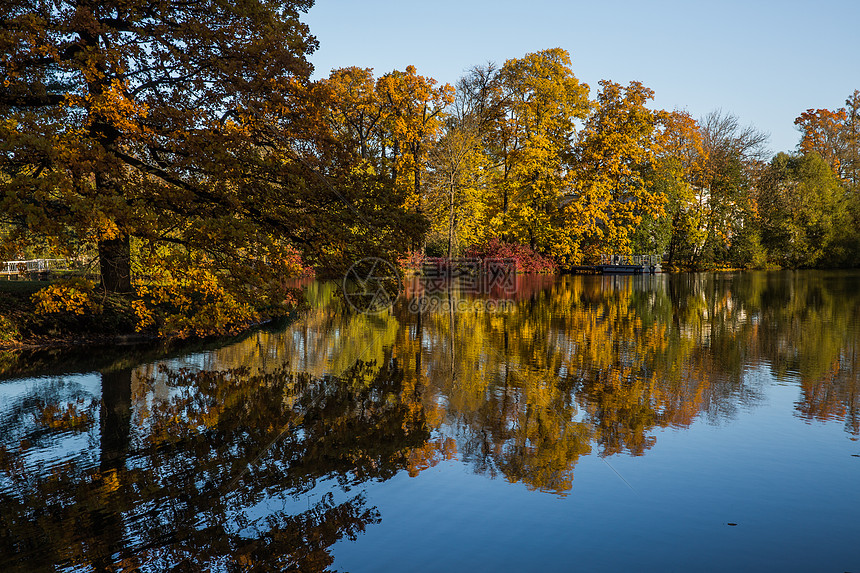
(596,423)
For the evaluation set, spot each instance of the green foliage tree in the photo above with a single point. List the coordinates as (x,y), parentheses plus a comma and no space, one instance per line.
(835,136)
(734,156)
(802,210)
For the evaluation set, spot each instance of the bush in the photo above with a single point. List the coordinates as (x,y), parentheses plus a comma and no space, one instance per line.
(527,260)
(74,296)
(8,331)
(410,263)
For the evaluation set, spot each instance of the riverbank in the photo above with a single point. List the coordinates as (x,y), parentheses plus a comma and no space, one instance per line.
(31,342)
(112,319)
(22,326)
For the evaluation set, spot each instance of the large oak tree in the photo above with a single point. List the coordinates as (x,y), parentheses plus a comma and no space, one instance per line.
(185,135)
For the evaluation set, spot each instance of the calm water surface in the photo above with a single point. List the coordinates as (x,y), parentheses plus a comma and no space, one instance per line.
(666,423)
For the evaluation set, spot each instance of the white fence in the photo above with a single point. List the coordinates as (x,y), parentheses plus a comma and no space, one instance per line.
(33,266)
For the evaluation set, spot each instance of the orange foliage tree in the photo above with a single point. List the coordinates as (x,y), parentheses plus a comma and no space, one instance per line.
(179,137)
(822,132)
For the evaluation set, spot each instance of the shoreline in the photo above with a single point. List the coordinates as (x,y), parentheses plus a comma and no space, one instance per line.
(79,331)
(126,340)
(23,328)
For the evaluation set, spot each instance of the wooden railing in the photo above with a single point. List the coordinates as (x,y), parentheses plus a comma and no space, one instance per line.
(637,260)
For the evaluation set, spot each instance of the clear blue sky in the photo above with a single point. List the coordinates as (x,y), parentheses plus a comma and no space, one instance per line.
(764,61)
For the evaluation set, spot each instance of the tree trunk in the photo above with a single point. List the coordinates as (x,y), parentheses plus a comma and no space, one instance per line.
(105,525)
(115,418)
(420,206)
(115,264)
(416,173)
(450,219)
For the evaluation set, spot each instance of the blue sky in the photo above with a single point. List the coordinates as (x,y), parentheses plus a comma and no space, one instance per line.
(764,61)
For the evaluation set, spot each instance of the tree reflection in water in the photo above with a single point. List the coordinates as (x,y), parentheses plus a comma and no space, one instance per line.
(194,481)
(594,364)
(242,463)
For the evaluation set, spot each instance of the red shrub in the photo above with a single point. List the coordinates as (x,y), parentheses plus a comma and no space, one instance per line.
(527,260)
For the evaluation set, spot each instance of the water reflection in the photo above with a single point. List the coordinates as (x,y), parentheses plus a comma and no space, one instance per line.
(205,478)
(249,456)
(583,363)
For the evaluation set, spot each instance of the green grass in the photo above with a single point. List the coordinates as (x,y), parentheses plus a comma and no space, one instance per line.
(21,287)
(15,303)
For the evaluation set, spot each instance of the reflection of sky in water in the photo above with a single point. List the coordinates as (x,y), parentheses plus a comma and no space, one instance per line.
(53,448)
(790,486)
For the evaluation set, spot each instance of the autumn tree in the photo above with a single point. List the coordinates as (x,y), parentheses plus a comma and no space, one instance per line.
(679,172)
(543,99)
(480,100)
(457,188)
(184,138)
(822,132)
(413,108)
(851,163)
(610,196)
(835,136)
(461,163)
(355,109)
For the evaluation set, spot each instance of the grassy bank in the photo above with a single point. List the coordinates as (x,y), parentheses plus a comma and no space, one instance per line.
(91,316)
(22,325)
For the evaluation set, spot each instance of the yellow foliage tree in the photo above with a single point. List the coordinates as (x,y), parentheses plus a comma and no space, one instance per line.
(681,168)
(413,109)
(543,99)
(609,191)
